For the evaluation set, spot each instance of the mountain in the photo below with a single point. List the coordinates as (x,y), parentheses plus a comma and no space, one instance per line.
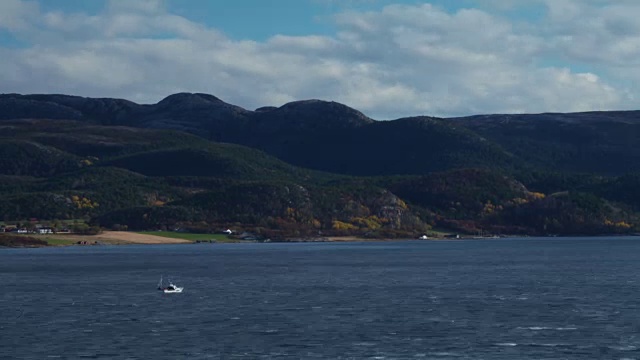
(332,137)
(590,142)
(149,179)
(314,134)
(314,167)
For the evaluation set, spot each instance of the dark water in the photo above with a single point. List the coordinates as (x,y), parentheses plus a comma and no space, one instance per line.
(488,299)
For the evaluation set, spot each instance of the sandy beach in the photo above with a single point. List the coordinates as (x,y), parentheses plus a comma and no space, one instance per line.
(138,238)
(119,237)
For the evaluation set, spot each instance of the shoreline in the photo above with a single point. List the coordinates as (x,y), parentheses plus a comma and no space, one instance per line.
(134,238)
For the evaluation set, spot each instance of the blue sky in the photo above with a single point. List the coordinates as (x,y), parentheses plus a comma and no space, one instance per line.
(261,19)
(387,58)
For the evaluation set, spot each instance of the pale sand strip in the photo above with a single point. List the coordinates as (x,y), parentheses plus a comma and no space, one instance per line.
(345,238)
(118,237)
(136,238)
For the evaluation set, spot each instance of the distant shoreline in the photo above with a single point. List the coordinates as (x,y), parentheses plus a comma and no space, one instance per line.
(133,238)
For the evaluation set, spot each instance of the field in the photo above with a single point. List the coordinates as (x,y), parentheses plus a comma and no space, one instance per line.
(109,237)
(187,236)
(127,237)
(52,241)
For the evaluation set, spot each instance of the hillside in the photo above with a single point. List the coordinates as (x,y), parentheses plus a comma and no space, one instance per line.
(157,179)
(332,137)
(603,143)
(314,134)
(73,158)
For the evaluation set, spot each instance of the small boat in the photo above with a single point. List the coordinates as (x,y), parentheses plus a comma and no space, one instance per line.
(169,289)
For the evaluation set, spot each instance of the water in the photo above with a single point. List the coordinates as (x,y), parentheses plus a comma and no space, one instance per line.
(480,299)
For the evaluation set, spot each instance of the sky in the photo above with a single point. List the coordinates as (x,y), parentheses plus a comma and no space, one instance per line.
(386,58)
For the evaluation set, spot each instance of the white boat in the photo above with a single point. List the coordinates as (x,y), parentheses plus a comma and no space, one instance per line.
(169,289)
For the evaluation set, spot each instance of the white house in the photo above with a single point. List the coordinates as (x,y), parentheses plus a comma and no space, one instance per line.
(45,230)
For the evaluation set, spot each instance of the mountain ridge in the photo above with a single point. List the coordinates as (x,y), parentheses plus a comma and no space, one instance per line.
(329,136)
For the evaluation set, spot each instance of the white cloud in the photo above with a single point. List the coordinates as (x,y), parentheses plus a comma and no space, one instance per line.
(598,32)
(399,61)
(16,15)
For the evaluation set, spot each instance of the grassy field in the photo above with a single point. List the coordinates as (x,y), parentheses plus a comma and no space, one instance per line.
(57,242)
(187,236)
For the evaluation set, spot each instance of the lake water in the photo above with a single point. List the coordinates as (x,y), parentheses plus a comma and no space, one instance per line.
(559,298)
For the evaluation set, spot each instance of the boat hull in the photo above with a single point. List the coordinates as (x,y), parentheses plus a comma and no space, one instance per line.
(174,291)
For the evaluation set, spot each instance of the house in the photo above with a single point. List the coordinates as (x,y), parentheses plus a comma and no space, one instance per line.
(45,230)
(228,231)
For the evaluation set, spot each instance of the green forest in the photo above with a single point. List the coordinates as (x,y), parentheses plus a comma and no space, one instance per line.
(116,177)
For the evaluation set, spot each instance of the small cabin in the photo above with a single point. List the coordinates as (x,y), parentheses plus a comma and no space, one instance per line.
(45,230)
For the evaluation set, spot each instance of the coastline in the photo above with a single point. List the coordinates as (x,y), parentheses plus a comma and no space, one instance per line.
(134,238)
(363,239)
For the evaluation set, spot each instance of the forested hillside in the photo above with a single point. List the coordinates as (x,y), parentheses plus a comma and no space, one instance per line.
(314,168)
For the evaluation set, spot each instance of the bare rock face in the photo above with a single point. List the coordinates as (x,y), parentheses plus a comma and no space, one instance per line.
(391,208)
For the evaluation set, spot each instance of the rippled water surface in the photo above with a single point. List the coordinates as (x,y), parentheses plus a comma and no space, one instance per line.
(477,299)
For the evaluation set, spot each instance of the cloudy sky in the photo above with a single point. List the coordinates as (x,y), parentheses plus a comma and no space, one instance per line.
(387,58)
